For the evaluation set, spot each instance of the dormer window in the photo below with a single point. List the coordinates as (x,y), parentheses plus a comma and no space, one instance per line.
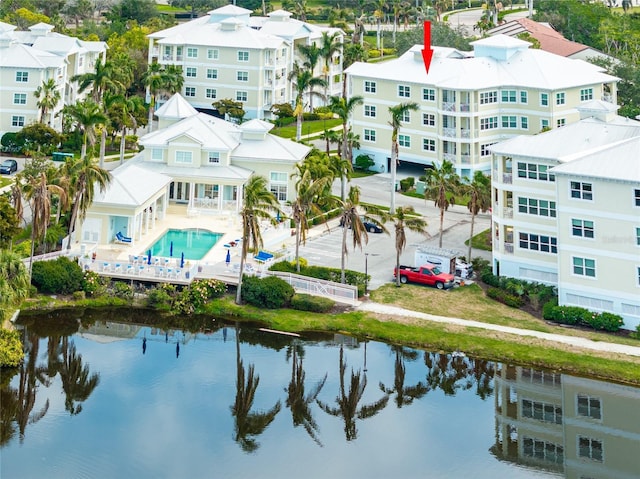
(214,158)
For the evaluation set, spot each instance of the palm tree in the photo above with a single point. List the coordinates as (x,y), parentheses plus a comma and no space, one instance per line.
(344,109)
(479,192)
(350,218)
(330,44)
(379,14)
(248,424)
(309,194)
(397,112)
(84,176)
(258,203)
(404,394)
(39,193)
(14,280)
(173,79)
(86,115)
(299,402)
(153,79)
(353,52)
(349,408)
(48,96)
(405,218)
(442,185)
(122,110)
(304,82)
(330,136)
(311,54)
(352,141)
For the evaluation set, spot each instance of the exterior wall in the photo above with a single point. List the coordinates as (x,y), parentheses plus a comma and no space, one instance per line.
(612,219)
(265,168)
(458,132)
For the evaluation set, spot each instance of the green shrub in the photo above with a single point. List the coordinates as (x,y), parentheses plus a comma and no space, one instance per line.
(316,304)
(489,278)
(59,276)
(407,183)
(78,295)
(306,116)
(637,333)
(505,298)
(287,120)
(363,162)
(270,292)
(122,290)
(159,298)
(354,278)
(11,353)
(574,315)
(93,284)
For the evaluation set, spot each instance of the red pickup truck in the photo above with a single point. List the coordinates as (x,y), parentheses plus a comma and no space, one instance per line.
(428,274)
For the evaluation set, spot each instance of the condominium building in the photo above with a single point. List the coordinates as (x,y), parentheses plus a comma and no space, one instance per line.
(229,54)
(566,211)
(469,101)
(30,58)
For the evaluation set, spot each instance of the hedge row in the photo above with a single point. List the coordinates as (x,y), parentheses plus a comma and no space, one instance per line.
(270,292)
(505,298)
(321,272)
(315,304)
(59,276)
(574,315)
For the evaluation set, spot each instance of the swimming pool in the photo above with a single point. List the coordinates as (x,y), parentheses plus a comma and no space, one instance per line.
(194,243)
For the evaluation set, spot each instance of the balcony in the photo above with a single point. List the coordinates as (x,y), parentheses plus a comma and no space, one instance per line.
(464,107)
(449,106)
(464,133)
(450,157)
(465,159)
(179,58)
(449,132)
(167,58)
(507,212)
(508,248)
(507,178)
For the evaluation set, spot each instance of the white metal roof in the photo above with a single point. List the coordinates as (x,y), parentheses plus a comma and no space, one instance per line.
(217,34)
(24,56)
(176,107)
(128,190)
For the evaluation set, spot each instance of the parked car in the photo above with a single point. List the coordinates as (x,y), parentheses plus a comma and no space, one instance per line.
(428,274)
(8,167)
(369,226)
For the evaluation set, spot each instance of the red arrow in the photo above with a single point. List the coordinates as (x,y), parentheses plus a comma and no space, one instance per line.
(427,51)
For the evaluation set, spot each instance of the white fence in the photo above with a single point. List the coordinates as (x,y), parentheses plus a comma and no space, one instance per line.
(342,293)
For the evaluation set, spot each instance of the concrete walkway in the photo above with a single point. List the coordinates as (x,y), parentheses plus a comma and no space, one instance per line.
(558,338)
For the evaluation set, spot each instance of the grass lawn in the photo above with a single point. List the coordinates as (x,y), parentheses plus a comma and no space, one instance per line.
(362,173)
(308,128)
(5,181)
(481,241)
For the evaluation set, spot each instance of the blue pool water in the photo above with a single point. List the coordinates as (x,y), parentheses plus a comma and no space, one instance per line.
(194,243)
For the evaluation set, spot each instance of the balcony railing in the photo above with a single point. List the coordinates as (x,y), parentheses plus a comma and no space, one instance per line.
(508,248)
(507,212)
(450,157)
(507,178)
(465,159)
(166,57)
(449,106)
(464,107)
(464,133)
(449,132)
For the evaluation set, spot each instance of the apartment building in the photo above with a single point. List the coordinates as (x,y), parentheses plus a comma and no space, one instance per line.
(575,427)
(566,211)
(469,101)
(229,54)
(29,58)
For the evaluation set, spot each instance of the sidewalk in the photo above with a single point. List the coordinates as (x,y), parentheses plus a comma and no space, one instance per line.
(558,338)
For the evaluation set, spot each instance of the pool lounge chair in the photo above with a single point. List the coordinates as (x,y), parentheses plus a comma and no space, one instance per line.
(120,238)
(263,257)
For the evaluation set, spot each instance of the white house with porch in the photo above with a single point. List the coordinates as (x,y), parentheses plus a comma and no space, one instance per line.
(194,160)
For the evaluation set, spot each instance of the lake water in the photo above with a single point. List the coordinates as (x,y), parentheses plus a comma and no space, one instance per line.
(116,400)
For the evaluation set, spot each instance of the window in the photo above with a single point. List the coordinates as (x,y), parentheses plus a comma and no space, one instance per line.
(544,124)
(22,77)
(404,91)
(586,94)
(485,149)
(534,171)
(370,111)
(638,236)
(243,56)
(509,122)
(19,98)
(544,99)
(157,154)
(589,406)
(184,157)
(542,411)
(428,144)
(192,52)
(213,54)
(190,91)
(590,448)
(17,120)
(582,228)
(191,72)
(211,93)
(524,122)
(488,97)
(582,191)
(508,96)
(535,242)
(242,76)
(404,141)
(212,74)
(428,119)
(428,94)
(406,117)
(524,97)
(278,185)
(489,123)
(178,53)
(560,98)
(533,206)
(213,158)
(542,450)
(560,122)
(241,95)
(370,86)
(584,267)
(369,135)
(636,196)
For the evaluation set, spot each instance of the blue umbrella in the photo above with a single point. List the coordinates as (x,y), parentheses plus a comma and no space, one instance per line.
(228,259)
(171,249)
(182,260)
(149,257)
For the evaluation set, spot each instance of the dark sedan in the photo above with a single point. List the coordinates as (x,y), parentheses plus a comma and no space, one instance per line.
(8,167)
(369,226)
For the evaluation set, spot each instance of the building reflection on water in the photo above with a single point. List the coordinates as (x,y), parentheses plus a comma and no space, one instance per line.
(583,428)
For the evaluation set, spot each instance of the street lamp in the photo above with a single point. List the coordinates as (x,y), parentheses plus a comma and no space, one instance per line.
(366,272)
